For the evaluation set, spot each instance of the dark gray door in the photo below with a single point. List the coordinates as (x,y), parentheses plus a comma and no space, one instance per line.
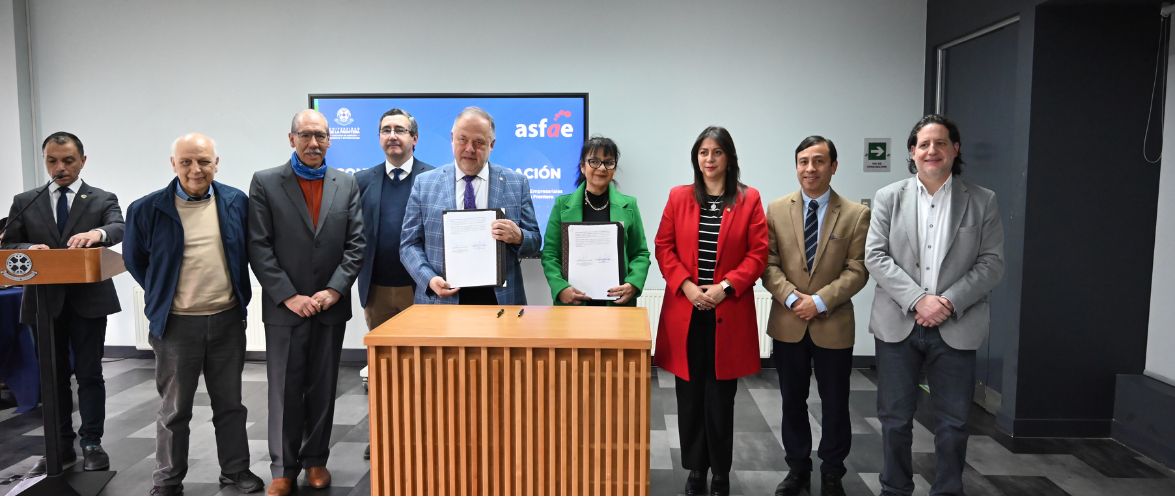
(978,92)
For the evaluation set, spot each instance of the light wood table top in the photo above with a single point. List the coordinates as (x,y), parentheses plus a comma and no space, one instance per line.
(539,326)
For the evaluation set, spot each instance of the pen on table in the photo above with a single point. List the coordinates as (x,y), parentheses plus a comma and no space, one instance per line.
(500,312)
(520,311)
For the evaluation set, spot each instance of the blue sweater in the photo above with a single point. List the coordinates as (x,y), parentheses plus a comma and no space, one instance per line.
(153,247)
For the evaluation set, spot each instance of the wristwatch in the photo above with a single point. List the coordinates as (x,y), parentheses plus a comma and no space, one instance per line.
(727,288)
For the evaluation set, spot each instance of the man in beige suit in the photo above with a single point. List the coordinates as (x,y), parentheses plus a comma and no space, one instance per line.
(815,265)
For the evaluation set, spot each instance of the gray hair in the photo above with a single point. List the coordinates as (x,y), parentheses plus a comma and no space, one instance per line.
(294,121)
(474,110)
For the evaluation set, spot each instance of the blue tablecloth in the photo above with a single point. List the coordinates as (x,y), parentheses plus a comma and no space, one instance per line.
(18,355)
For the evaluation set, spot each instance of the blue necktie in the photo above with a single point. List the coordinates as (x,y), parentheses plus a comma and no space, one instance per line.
(470,199)
(811,233)
(62,209)
(396,173)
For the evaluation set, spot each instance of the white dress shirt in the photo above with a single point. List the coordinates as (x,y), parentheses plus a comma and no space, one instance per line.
(481,187)
(407,167)
(933,235)
(55,195)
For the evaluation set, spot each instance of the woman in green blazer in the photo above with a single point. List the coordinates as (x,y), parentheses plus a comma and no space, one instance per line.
(596,200)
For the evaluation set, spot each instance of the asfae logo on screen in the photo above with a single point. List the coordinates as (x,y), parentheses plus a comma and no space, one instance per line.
(551,130)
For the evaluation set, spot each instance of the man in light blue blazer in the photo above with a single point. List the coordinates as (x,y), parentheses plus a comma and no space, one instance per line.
(470,182)
(936,248)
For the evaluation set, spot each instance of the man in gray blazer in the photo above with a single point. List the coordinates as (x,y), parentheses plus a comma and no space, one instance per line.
(936,248)
(73,214)
(470,182)
(305,246)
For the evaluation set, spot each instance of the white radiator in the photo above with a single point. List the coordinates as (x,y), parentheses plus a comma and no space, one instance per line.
(254,330)
(651,301)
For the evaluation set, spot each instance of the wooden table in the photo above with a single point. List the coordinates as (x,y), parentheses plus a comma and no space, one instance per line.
(467,402)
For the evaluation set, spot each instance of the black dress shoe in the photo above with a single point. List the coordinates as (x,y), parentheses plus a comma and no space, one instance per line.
(367,453)
(67,459)
(171,490)
(720,485)
(245,481)
(95,458)
(695,484)
(830,486)
(795,484)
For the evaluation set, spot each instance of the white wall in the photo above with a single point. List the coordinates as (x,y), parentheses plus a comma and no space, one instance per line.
(1160,342)
(11,160)
(129,76)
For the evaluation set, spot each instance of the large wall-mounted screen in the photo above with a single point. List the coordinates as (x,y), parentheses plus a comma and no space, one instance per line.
(538,135)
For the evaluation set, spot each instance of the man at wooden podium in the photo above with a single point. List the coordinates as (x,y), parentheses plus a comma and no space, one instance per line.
(72,214)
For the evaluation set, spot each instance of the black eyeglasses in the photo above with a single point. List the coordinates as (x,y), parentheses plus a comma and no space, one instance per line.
(400,131)
(306,136)
(604,164)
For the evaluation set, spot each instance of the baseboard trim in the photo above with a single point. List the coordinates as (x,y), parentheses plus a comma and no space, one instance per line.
(126,351)
(1144,416)
(348,356)
(1054,427)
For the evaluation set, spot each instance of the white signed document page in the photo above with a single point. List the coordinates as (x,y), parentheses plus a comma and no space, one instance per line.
(592,259)
(471,252)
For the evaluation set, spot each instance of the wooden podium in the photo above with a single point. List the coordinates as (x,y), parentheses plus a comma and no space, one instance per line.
(467,401)
(57,267)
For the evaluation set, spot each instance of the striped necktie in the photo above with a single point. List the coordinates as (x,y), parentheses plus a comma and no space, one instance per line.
(811,233)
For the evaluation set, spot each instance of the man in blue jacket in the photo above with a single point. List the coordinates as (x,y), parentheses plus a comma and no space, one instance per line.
(186,246)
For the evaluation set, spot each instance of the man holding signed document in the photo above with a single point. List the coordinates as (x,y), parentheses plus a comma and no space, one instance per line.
(589,272)
(475,274)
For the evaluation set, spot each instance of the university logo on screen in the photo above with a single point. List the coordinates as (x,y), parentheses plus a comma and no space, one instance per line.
(345,131)
(551,129)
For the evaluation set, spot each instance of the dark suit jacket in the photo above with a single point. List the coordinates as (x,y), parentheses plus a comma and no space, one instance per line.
(92,209)
(289,256)
(371,183)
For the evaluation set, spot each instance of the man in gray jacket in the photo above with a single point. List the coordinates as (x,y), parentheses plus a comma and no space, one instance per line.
(305,246)
(936,248)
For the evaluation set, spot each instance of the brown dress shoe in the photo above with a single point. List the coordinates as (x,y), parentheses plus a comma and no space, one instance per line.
(280,487)
(318,477)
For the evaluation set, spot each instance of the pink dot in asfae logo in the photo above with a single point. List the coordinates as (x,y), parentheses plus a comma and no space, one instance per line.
(550,130)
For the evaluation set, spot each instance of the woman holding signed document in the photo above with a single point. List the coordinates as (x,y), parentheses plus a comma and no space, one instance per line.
(594,250)
(712,247)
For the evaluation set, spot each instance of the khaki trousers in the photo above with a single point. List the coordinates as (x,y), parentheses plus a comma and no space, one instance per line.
(383,302)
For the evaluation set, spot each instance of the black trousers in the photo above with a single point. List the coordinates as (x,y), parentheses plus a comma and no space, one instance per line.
(705,405)
(794,363)
(302,365)
(477,295)
(83,340)
(215,346)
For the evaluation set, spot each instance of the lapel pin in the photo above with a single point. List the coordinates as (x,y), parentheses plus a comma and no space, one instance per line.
(83,196)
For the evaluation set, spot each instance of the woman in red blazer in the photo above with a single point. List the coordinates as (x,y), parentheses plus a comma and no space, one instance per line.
(712,247)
